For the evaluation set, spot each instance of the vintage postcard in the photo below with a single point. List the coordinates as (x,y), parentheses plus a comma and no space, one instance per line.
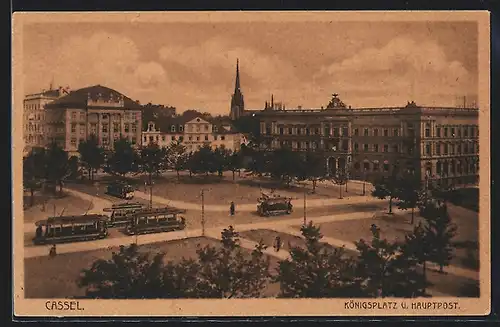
(251,163)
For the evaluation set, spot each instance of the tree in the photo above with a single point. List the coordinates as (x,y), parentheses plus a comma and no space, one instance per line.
(202,161)
(177,157)
(340,178)
(385,271)
(73,167)
(34,171)
(128,274)
(220,159)
(226,273)
(417,247)
(152,160)
(386,187)
(312,168)
(124,158)
(317,271)
(235,162)
(283,164)
(57,168)
(409,194)
(91,154)
(440,231)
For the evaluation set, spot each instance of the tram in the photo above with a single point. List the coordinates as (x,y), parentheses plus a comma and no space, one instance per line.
(70,229)
(121,213)
(120,190)
(156,220)
(274,205)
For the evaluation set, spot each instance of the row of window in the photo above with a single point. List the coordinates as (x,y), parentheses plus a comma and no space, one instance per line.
(456,167)
(36,106)
(127,128)
(104,141)
(456,131)
(386,132)
(156,138)
(450,149)
(126,116)
(377,148)
(34,127)
(335,132)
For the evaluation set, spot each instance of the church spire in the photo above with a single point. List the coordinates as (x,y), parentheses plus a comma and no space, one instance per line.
(237,82)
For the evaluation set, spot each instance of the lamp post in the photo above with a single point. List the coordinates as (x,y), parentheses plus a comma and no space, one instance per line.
(305,191)
(203,212)
(364,181)
(151,194)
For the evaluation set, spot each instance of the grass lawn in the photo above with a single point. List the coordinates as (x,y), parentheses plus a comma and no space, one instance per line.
(72,206)
(56,278)
(394,227)
(448,284)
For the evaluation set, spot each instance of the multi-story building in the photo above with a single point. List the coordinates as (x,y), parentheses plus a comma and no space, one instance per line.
(438,144)
(193,131)
(34,117)
(96,110)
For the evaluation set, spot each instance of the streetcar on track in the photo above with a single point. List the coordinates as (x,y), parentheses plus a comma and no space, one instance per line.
(66,229)
(120,190)
(274,205)
(122,212)
(156,220)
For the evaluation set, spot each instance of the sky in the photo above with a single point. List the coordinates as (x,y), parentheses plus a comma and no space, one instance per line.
(191,65)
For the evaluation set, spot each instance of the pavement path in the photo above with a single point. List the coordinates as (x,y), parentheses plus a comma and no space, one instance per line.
(250,207)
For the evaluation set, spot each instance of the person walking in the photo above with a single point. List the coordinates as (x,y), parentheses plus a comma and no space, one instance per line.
(277,245)
(232,208)
(53,251)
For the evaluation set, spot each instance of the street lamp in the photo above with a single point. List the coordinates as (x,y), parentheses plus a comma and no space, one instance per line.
(151,194)
(364,181)
(305,191)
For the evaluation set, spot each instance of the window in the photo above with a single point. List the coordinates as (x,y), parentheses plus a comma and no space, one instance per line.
(452,149)
(82,129)
(181,128)
(73,128)
(446,149)
(172,128)
(216,129)
(357,166)
(163,138)
(82,116)
(157,138)
(116,127)
(376,166)
(173,138)
(126,127)
(345,145)
(365,147)
(215,137)
(438,132)
(438,168)
(197,138)
(428,149)
(375,147)
(395,148)
(151,139)
(366,166)
(327,130)
(222,137)
(386,167)
(105,141)
(453,132)
(73,141)
(356,132)
(345,131)
(290,131)
(446,132)
(73,115)
(386,132)
(356,147)
(375,132)
(365,132)
(206,128)
(396,132)
(386,148)
(134,128)
(190,138)
(145,138)
(335,132)
(281,130)
(298,131)
(459,132)
(427,130)
(206,137)
(438,149)
(197,128)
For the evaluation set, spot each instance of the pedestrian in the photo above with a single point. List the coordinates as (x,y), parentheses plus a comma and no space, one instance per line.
(53,252)
(278,243)
(232,208)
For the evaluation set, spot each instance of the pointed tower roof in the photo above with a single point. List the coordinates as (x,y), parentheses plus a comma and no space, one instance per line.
(237,82)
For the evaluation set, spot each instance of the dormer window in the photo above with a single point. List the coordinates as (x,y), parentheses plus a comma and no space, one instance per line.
(151,127)
(216,129)
(181,128)
(172,128)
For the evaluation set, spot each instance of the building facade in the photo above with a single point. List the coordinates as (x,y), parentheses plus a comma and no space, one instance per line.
(437,144)
(34,131)
(96,110)
(193,132)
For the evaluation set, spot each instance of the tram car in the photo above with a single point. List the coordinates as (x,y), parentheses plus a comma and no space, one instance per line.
(120,190)
(121,213)
(274,205)
(156,220)
(65,229)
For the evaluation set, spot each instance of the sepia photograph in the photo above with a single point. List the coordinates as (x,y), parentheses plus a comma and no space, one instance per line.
(251,163)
